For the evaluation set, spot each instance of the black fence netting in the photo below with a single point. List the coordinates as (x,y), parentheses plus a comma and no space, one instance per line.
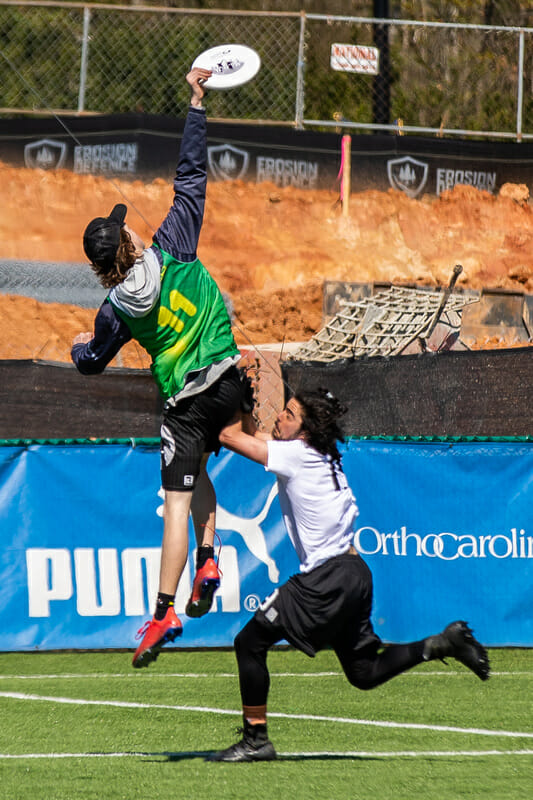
(39,400)
(466,393)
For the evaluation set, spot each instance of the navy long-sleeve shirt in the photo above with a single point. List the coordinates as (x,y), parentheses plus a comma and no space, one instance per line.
(178,235)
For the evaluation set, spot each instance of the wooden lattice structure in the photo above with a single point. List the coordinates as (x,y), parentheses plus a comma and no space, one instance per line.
(384,324)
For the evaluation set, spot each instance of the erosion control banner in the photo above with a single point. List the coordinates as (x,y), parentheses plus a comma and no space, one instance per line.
(144,146)
(446,529)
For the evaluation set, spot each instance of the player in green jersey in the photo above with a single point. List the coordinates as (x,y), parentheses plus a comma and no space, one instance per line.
(164,297)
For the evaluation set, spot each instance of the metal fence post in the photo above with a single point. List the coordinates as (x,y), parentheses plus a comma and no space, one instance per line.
(520,78)
(300,84)
(84,58)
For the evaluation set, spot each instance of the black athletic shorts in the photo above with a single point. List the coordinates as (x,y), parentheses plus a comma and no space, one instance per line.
(191,428)
(327,607)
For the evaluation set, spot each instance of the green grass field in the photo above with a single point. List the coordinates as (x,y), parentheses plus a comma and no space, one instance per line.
(86,725)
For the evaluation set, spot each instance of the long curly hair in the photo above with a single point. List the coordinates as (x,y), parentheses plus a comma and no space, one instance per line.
(320,421)
(124,261)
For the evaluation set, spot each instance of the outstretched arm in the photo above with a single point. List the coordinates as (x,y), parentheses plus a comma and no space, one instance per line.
(252,445)
(180,230)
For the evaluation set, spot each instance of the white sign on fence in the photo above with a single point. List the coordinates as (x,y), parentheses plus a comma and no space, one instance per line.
(355,58)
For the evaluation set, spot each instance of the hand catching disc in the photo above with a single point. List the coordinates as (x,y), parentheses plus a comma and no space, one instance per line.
(231,64)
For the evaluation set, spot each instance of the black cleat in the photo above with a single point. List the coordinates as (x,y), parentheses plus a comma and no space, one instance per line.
(254,746)
(457,641)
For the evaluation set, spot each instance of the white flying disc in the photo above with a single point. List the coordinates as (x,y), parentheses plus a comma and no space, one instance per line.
(231,64)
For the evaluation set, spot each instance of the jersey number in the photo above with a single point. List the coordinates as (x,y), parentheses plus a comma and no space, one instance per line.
(178,302)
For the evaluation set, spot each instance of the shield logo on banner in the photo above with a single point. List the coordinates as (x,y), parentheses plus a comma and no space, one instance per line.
(227,162)
(45,154)
(407,174)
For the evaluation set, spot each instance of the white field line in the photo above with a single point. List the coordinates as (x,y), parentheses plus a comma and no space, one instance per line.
(409,753)
(137,675)
(233,712)
(320,754)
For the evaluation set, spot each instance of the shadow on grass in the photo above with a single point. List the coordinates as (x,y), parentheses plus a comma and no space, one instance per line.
(187,755)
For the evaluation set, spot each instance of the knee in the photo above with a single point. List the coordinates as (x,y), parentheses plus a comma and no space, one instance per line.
(361,680)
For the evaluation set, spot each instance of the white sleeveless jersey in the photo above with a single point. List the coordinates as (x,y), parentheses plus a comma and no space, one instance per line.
(318,516)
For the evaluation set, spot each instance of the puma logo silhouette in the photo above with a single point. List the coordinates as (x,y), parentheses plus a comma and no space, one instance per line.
(251,532)
(249,528)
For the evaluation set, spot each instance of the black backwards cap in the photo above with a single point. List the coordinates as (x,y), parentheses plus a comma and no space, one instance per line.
(102,238)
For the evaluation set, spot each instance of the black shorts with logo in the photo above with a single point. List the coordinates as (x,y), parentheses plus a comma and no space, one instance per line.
(191,428)
(330,606)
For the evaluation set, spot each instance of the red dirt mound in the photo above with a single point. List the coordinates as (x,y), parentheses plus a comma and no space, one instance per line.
(268,248)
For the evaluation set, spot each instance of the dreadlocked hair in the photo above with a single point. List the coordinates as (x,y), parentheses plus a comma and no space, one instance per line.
(124,261)
(321,412)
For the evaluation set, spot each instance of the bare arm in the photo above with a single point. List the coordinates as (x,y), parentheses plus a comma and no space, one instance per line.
(252,445)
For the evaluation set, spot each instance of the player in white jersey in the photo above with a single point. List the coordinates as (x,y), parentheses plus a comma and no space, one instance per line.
(329,603)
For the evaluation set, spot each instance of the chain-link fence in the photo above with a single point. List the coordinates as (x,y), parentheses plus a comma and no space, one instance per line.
(404,75)
(432,78)
(101,59)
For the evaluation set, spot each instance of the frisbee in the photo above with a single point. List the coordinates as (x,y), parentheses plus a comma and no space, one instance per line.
(231,64)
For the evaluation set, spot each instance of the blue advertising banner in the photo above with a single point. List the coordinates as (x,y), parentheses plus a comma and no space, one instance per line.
(445,528)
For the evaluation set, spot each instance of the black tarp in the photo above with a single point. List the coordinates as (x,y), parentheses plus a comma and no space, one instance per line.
(468,393)
(39,400)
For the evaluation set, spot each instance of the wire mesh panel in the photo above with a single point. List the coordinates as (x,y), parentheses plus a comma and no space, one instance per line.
(435,77)
(155,85)
(41,49)
(333,93)
(110,60)
(262,365)
(455,78)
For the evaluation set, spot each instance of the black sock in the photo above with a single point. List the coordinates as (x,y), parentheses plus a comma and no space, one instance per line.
(162,604)
(204,552)
(257,734)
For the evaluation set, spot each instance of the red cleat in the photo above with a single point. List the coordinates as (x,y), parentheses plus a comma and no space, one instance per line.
(206,582)
(155,634)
